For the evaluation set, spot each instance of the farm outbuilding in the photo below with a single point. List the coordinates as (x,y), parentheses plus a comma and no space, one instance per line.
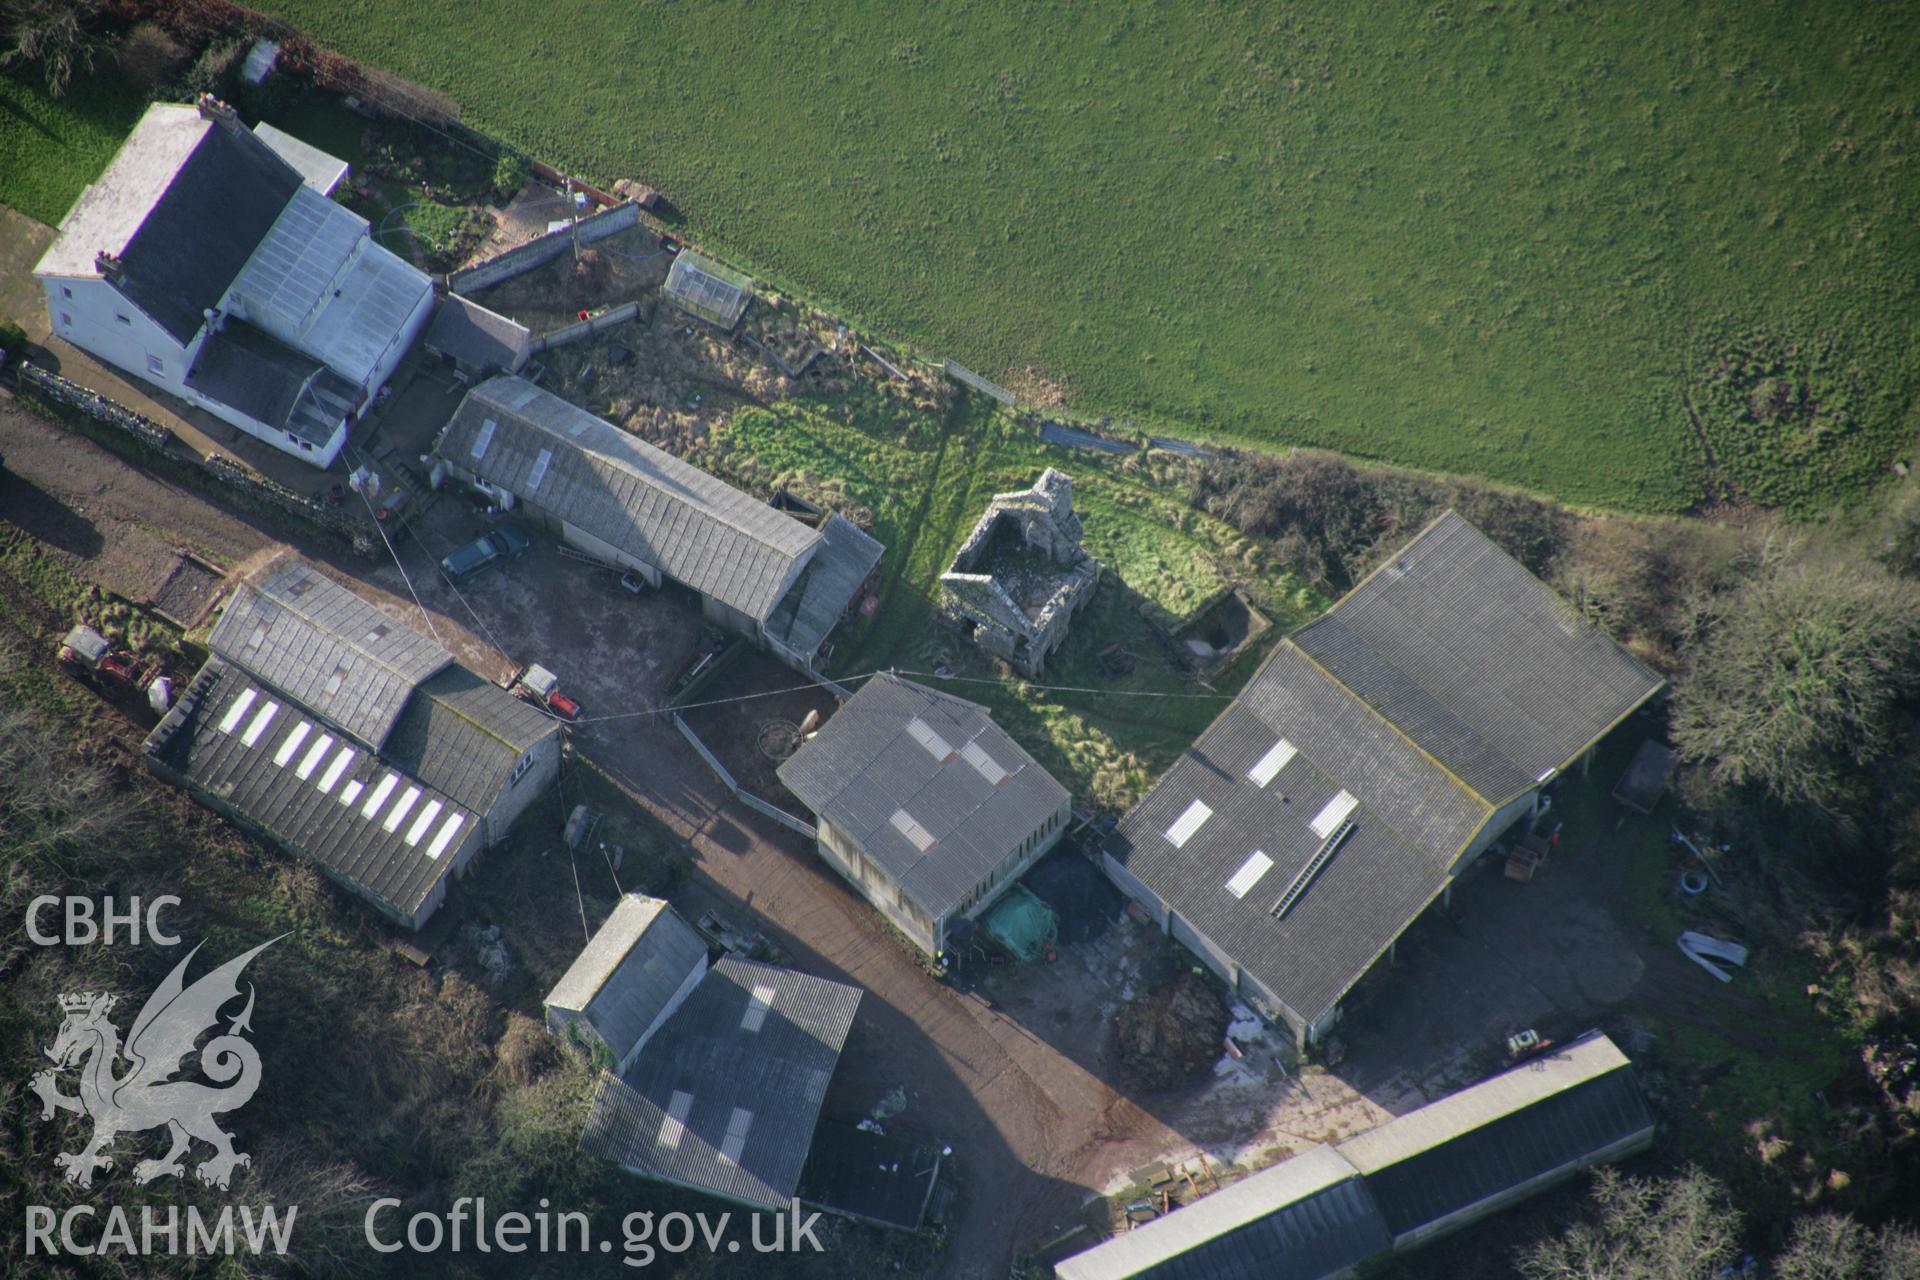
(477,341)
(925,805)
(637,969)
(330,728)
(1377,751)
(723,1097)
(758,572)
(700,286)
(1337,1211)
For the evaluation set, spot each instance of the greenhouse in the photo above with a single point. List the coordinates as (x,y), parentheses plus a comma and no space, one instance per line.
(715,293)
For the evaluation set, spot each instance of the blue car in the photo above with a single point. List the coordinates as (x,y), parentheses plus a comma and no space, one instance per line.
(489,549)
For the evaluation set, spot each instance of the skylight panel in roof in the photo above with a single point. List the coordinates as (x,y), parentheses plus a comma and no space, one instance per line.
(401,807)
(440,842)
(1189,822)
(984,764)
(259,635)
(673,1125)
(315,754)
(538,471)
(334,770)
(353,788)
(428,813)
(1329,819)
(483,438)
(757,1008)
(338,678)
(292,744)
(260,723)
(237,711)
(923,733)
(379,632)
(1271,763)
(380,794)
(904,823)
(736,1140)
(1256,865)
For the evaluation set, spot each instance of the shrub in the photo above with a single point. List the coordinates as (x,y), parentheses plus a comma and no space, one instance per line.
(149,57)
(13,342)
(214,70)
(510,173)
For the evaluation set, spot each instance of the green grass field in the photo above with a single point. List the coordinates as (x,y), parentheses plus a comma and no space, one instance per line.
(51,148)
(927,481)
(1508,239)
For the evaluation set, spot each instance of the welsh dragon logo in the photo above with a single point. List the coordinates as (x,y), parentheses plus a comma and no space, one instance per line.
(146,1096)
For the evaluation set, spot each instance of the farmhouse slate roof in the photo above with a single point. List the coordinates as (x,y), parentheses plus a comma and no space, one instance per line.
(246,745)
(899,747)
(630,970)
(700,530)
(1410,821)
(477,337)
(183,205)
(270,382)
(725,1095)
(323,646)
(1477,660)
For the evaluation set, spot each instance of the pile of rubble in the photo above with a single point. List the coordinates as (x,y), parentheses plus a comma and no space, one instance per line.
(1170,1035)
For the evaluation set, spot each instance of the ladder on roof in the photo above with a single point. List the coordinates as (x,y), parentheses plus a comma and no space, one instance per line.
(1320,858)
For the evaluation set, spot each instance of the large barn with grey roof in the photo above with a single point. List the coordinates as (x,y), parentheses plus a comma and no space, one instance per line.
(326,725)
(1337,1211)
(758,571)
(925,805)
(1378,750)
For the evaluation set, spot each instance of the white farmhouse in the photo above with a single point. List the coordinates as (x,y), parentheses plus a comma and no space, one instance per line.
(208,261)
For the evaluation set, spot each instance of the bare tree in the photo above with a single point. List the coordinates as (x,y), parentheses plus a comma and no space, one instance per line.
(1679,1228)
(1832,1246)
(57,34)
(1797,681)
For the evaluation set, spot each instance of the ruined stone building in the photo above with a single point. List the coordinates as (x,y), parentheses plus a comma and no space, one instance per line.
(1022,574)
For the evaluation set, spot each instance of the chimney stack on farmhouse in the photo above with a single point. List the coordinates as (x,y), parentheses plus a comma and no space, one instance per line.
(211,108)
(109,267)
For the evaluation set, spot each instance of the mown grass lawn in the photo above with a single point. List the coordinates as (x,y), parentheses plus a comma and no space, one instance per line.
(1507,239)
(51,148)
(926,481)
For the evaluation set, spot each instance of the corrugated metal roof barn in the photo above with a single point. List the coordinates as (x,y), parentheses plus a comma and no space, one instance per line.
(1336,796)
(926,784)
(724,1097)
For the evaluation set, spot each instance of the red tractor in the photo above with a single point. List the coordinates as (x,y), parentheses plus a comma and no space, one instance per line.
(116,673)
